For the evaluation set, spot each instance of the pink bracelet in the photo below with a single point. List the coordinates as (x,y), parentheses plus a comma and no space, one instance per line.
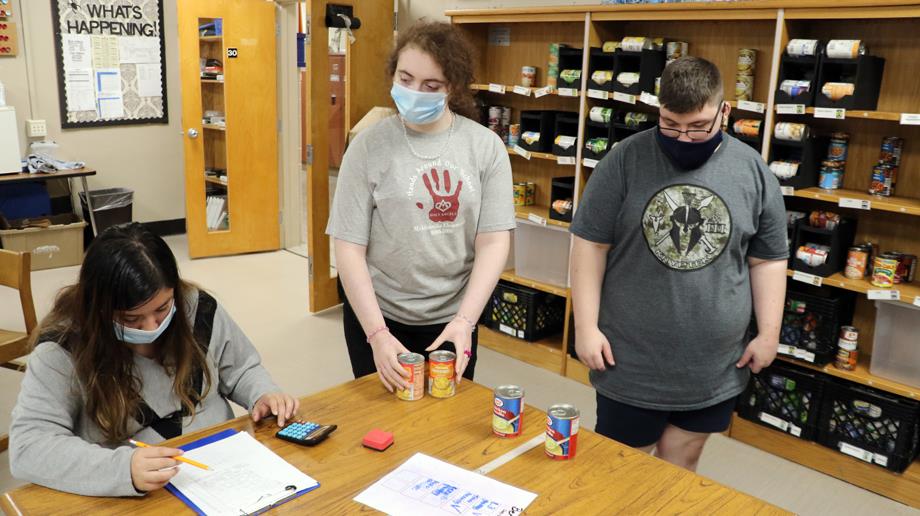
(375,332)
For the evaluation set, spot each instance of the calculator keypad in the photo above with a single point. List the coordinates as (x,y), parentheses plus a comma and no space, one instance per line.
(299,430)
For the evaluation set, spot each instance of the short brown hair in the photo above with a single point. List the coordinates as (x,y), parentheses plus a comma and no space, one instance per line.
(689,84)
(453,53)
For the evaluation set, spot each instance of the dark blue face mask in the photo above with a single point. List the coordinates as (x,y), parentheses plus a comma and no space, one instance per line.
(688,155)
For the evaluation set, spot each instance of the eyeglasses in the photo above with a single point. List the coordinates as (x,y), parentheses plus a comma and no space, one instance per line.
(693,134)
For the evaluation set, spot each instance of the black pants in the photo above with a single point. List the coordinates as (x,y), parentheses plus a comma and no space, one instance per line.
(414,338)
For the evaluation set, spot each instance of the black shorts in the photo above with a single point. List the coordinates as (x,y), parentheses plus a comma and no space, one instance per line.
(640,427)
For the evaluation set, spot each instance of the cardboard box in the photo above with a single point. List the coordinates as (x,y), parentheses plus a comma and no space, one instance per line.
(58,245)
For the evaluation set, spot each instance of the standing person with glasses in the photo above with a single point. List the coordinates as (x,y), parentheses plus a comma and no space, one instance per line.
(422,213)
(679,238)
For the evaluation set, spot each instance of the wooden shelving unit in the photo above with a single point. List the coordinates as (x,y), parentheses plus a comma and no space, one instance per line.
(892,204)
(716,33)
(214,127)
(213,181)
(211,81)
(549,288)
(862,376)
(535,155)
(509,90)
(546,353)
(524,212)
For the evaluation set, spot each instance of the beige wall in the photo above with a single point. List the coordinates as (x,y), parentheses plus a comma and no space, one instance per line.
(146,158)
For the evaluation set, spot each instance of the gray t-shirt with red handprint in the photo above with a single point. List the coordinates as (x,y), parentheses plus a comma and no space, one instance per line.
(419,218)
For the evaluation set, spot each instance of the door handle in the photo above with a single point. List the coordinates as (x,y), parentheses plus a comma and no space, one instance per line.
(193,133)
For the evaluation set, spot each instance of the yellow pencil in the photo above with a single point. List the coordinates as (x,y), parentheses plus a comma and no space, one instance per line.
(178,458)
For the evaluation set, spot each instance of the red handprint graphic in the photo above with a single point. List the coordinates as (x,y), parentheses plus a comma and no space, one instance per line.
(446,201)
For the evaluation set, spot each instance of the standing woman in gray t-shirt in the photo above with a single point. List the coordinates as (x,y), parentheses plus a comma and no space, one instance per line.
(422,213)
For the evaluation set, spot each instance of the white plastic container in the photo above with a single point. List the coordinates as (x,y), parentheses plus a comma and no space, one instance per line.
(896,346)
(541,253)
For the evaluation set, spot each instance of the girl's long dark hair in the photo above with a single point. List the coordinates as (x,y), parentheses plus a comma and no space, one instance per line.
(124,268)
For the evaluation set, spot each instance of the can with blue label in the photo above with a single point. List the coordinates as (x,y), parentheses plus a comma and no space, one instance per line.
(508,411)
(561,431)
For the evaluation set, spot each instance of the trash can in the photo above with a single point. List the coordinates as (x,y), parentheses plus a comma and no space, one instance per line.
(111,206)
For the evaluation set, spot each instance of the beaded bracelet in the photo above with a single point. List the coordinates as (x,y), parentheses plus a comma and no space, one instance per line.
(375,332)
(467,321)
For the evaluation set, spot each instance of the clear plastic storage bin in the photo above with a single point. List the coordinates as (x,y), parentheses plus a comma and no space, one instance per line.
(541,253)
(896,348)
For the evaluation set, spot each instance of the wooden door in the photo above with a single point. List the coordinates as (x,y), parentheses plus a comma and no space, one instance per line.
(364,88)
(230,125)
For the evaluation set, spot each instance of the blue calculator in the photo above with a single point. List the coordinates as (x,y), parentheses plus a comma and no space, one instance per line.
(305,432)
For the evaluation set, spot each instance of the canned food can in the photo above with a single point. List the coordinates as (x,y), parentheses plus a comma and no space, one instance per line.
(600,114)
(495,116)
(414,363)
(676,50)
(597,145)
(530,137)
(508,411)
(506,116)
(520,194)
(802,47)
(658,43)
(570,76)
(795,88)
(747,60)
(514,134)
(823,219)
(907,268)
(883,180)
(891,150)
(565,142)
(830,178)
(837,149)
(791,132)
(602,77)
(883,271)
(562,431)
(442,382)
(744,87)
(635,44)
(562,206)
(610,46)
(837,90)
(857,261)
(784,169)
(844,48)
(849,333)
(811,256)
(528,76)
(628,78)
(747,127)
(633,119)
(847,354)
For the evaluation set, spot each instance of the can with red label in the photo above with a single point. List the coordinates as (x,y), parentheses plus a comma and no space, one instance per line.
(415,364)
(857,262)
(561,431)
(508,411)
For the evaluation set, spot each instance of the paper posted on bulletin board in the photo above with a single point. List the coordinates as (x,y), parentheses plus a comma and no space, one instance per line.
(110,59)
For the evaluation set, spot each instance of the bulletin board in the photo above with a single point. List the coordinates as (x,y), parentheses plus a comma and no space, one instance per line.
(111,62)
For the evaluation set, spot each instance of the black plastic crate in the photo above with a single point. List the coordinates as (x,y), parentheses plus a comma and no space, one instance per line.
(871,425)
(784,397)
(812,318)
(525,313)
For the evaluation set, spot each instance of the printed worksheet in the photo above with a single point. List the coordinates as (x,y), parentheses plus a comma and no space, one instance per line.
(244,478)
(425,485)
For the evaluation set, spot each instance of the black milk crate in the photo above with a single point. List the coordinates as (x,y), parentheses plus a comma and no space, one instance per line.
(784,397)
(524,312)
(869,424)
(812,318)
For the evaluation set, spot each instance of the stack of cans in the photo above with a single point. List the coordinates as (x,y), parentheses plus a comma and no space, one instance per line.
(847,348)
(675,50)
(885,173)
(500,123)
(833,167)
(744,85)
(552,67)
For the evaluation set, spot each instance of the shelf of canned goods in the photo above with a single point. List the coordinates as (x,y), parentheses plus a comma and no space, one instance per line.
(827,97)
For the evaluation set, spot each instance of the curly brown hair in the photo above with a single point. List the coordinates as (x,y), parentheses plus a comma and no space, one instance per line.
(453,53)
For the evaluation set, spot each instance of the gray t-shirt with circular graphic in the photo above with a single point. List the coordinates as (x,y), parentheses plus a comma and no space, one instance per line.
(676,299)
(419,217)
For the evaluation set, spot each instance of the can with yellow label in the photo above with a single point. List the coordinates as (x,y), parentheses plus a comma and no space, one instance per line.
(441,374)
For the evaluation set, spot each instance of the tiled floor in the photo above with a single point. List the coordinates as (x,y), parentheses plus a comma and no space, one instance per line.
(267,295)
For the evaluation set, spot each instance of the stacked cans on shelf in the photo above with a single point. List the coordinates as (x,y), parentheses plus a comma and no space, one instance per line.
(893,268)
(500,123)
(847,348)
(885,173)
(833,167)
(744,83)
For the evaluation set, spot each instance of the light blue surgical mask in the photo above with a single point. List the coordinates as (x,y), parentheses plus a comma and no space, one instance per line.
(417,107)
(135,336)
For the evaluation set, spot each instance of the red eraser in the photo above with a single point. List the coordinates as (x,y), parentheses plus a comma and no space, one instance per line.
(377,439)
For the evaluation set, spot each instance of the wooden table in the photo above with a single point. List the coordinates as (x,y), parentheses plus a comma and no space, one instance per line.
(604,478)
(81,173)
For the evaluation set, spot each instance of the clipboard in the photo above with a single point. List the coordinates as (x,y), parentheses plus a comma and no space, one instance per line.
(212,439)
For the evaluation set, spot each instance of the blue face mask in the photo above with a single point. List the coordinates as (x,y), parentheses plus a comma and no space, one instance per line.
(418,107)
(135,336)
(688,155)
